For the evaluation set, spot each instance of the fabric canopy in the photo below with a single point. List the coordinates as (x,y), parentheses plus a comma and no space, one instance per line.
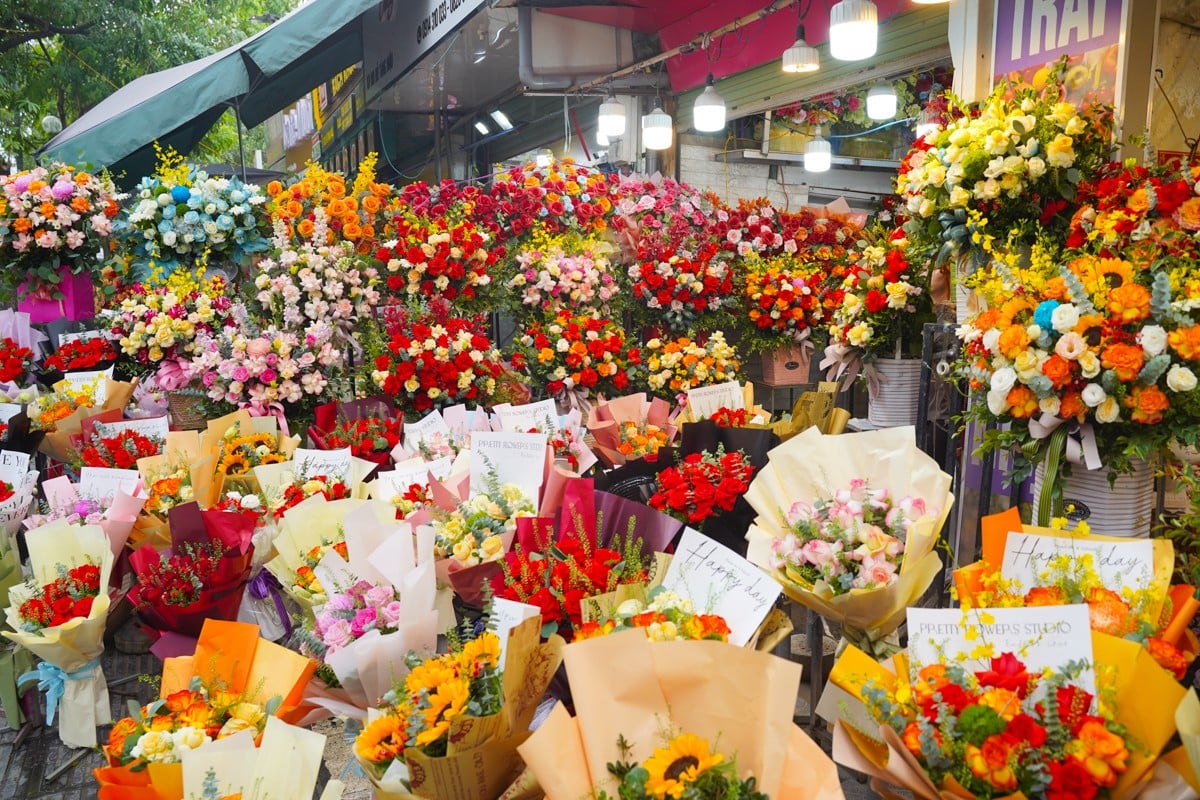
(177,106)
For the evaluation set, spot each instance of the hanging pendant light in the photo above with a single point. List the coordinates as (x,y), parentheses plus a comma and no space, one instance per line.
(612,117)
(853,30)
(657,131)
(818,155)
(881,101)
(708,113)
(801,56)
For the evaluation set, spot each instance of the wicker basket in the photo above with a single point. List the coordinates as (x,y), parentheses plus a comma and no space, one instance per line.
(186,411)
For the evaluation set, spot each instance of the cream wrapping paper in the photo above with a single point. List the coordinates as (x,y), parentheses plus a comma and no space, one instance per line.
(58,443)
(810,466)
(740,700)
(74,647)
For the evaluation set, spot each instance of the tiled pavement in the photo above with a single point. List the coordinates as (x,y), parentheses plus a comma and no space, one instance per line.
(42,767)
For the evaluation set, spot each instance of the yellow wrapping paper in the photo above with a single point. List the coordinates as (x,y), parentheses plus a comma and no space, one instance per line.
(73,646)
(812,465)
(1144,695)
(740,700)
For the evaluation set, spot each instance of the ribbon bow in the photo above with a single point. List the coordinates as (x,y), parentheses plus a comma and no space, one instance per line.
(52,681)
(1076,442)
(842,360)
(258,408)
(265,584)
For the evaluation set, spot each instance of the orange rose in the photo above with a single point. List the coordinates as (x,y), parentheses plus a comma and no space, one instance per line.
(1129,302)
(1148,404)
(1100,751)
(1055,289)
(1188,214)
(911,737)
(274,188)
(1185,341)
(1023,401)
(1045,596)
(1058,370)
(1108,612)
(352,231)
(992,762)
(22,225)
(119,733)
(1168,656)
(1014,341)
(1139,201)
(294,209)
(80,204)
(1072,406)
(371,204)
(305,228)
(1126,360)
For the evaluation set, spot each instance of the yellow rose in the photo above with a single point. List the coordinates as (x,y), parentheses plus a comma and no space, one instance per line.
(462,550)
(1060,151)
(156,746)
(492,547)
(897,295)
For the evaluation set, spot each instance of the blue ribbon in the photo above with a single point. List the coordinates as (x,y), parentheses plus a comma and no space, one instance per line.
(53,681)
(265,584)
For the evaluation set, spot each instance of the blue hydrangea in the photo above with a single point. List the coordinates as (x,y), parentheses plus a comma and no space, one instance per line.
(1044,315)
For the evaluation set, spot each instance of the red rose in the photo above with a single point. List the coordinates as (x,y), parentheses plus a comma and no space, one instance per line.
(1069,780)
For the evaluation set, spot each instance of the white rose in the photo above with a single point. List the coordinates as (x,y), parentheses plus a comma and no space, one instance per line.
(1064,318)
(1089,364)
(1050,405)
(997,403)
(1093,395)
(1036,167)
(1180,379)
(1153,340)
(991,339)
(1003,380)
(1034,331)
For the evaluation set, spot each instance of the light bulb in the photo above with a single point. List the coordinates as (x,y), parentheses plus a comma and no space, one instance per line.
(853,30)
(657,131)
(602,139)
(611,121)
(708,114)
(881,101)
(818,155)
(801,56)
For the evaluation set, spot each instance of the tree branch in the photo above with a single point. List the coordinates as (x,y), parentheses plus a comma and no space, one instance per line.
(38,28)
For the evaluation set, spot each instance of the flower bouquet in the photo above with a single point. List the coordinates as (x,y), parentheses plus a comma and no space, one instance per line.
(674,366)
(380,605)
(450,730)
(61,414)
(562,196)
(1005,729)
(53,222)
(429,367)
(66,504)
(439,258)
(698,687)
(685,291)
(232,683)
(180,474)
(87,356)
(183,217)
(702,485)
(564,272)
(630,428)
(60,618)
(371,428)
(15,361)
(120,451)
(576,356)
(1129,600)
(664,616)
(158,326)
(848,524)
(202,577)
(238,445)
(300,546)
(358,214)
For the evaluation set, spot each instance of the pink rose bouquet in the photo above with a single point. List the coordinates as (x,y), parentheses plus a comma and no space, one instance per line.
(347,615)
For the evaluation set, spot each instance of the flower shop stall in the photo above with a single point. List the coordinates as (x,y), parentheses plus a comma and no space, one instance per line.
(288,448)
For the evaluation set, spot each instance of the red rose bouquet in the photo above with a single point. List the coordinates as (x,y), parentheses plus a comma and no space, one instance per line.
(82,355)
(570,352)
(371,428)
(302,489)
(685,291)
(69,596)
(703,485)
(431,366)
(14,360)
(121,451)
(731,417)
(438,257)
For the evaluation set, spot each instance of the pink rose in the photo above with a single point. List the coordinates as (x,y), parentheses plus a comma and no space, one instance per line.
(241,374)
(258,347)
(268,375)
(337,635)
(875,571)
(377,596)
(823,555)
(390,614)
(364,620)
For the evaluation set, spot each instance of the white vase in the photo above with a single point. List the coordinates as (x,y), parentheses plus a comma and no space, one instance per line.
(892,400)
(1123,509)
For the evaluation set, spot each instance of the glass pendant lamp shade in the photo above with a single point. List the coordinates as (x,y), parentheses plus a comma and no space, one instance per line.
(657,132)
(853,30)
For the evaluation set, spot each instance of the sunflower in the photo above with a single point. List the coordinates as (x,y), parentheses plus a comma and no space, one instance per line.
(445,705)
(680,763)
(1101,275)
(382,741)
(273,458)
(484,651)
(428,676)
(234,464)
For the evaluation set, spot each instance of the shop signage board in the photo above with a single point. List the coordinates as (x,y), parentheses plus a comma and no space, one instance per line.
(1032,35)
(398,34)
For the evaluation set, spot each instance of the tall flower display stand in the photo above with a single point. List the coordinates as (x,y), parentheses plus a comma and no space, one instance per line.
(893,391)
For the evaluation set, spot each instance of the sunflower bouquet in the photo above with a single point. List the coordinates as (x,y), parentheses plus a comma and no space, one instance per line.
(450,730)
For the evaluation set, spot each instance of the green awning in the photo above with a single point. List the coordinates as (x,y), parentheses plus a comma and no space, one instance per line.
(177,106)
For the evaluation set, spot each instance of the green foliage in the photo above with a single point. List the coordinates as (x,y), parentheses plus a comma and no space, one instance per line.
(62,57)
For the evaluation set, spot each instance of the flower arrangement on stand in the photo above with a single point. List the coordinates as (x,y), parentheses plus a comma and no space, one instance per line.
(685,292)
(443,258)
(562,196)
(428,366)
(576,354)
(673,366)
(53,222)
(658,214)
(184,218)
(563,272)
(782,298)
